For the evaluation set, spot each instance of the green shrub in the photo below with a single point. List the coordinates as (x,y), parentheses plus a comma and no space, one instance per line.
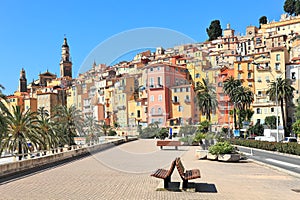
(221,148)
(289,148)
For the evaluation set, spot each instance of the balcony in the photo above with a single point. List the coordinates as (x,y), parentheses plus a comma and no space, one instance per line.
(121,107)
(156,87)
(187,100)
(156,114)
(263,68)
(250,79)
(175,101)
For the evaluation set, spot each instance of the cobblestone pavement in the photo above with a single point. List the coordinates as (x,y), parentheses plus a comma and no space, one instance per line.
(123,173)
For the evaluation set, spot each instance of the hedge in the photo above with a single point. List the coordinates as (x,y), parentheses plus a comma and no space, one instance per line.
(289,148)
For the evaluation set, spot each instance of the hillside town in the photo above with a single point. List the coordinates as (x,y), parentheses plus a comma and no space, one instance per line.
(162,87)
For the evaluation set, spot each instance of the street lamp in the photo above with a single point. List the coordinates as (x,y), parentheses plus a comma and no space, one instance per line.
(276,92)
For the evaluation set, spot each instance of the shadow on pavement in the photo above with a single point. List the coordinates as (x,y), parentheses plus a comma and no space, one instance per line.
(192,187)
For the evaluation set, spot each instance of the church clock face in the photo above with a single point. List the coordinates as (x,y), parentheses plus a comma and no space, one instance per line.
(250,32)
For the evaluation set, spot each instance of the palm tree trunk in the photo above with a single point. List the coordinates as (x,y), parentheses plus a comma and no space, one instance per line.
(234,118)
(283,117)
(20,149)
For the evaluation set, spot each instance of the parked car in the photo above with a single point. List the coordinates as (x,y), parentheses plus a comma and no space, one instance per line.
(289,139)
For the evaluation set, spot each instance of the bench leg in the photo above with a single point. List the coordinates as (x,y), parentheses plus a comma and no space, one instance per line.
(166,182)
(185,184)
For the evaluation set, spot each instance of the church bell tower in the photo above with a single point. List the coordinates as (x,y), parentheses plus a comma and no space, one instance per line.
(23,81)
(65,62)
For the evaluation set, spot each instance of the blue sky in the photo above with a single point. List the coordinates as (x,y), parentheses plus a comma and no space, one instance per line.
(32,32)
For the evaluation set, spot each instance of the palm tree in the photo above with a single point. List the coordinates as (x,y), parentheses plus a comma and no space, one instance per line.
(21,129)
(46,130)
(3,113)
(241,96)
(206,95)
(69,123)
(283,91)
(92,128)
(230,84)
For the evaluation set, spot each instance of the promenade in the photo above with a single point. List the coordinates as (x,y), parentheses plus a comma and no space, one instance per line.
(123,172)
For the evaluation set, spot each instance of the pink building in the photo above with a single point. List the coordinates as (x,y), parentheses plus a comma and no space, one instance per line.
(160,78)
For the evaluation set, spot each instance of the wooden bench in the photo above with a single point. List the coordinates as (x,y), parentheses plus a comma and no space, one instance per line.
(186,174)
(162,143)
(165,174)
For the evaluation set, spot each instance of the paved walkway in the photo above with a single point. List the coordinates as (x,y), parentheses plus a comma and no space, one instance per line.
(123,173)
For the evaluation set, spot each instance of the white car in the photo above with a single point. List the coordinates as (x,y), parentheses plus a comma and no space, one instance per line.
(289,139)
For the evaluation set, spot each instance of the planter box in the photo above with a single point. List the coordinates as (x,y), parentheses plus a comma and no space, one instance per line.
(201,154)
(211,156)
(229,157)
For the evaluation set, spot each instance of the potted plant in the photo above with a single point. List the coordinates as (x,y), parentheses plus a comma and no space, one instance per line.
(223,151)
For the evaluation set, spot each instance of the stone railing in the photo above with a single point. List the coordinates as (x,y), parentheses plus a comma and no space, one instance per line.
(56,155)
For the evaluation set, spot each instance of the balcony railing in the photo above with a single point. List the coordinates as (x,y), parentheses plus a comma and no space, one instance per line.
(158,86)
(263,68)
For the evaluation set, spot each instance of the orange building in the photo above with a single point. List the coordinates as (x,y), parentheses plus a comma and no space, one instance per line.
(224,106)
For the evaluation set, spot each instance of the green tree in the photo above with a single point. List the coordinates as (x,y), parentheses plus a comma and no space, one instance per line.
(257,129)
(297,7)
(263,20)
(21,129)
(163,133)
(187,130)
(214,31)
(284,95)
(296,127)
(289,6)
(270,121)
(150,131)
(297,112)
(207,100)
(104,128)
(204,126)
(69,122)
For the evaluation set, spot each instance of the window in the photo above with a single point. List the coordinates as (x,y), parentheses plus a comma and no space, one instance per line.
(175,99)
(272,110)
(187,98)
(293,75)
(158,68)
(151,69)
(277,66)
(267,79)
(138,103)
(187,89)
(258,79)
(152,111)
(197,75)
(160,120)
(151,98)
(138,113)
(159,111)
(151,83)
(258,111)
(160,97)
(249,75)
(248,66)
(180,108)
(239,66)
(239,76)
(259,93)
(159,80)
